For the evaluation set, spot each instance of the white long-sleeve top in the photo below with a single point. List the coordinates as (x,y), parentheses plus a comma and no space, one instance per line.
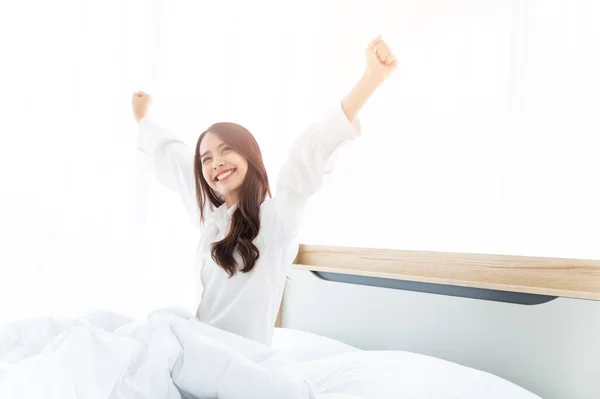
(247,303)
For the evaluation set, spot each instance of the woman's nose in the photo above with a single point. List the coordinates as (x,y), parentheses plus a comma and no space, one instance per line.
(217,163)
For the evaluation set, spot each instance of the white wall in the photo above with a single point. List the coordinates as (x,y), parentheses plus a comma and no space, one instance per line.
(484,140)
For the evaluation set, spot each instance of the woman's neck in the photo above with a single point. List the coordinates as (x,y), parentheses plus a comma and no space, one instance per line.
(231,200)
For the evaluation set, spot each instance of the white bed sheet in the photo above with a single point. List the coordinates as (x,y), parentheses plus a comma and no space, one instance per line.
(302,346)
(340,371)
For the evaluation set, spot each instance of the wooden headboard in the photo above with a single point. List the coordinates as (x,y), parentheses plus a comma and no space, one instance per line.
(570,278)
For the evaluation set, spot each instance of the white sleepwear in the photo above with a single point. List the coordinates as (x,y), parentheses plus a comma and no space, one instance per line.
(247,304)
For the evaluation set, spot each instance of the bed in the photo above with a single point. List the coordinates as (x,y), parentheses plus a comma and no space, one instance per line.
(170,355)
(354,323)
(451,325)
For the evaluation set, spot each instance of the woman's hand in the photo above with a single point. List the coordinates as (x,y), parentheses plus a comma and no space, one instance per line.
(140,103)
(381,62)
(380,65)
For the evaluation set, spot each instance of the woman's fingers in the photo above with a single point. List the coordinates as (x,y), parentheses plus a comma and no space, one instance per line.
(383,51)
(371,47)
(139,95)
(389,59)
(381,61)
(375,41)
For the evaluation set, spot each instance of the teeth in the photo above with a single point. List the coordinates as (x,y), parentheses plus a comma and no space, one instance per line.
(224,175)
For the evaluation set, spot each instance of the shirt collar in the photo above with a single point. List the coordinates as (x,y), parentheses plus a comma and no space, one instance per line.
(222,212)
(231,210)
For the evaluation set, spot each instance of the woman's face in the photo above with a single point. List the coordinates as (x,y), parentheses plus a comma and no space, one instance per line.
(223,169)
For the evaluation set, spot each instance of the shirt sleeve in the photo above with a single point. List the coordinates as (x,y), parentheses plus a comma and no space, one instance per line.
(171,162)
(302,174)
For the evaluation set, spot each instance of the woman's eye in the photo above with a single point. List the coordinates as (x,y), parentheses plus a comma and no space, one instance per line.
(205,159)
(225,149)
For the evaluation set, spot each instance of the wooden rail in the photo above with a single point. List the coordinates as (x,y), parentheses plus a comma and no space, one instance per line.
(572,278)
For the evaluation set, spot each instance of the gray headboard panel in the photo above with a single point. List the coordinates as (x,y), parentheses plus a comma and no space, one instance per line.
(551,348)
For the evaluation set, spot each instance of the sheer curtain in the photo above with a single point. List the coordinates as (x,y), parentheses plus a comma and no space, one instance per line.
(482,141)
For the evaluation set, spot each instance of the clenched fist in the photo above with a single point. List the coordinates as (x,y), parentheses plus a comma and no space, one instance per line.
(381,62)
(140,103)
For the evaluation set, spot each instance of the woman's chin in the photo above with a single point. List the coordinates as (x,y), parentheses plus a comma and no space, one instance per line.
(225,191)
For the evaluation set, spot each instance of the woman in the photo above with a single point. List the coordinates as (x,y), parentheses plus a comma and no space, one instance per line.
(248,239)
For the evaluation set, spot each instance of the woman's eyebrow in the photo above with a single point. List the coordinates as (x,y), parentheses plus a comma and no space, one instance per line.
(208,152)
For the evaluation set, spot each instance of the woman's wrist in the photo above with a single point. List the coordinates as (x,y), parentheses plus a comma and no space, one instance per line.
(371,80)
(359,95)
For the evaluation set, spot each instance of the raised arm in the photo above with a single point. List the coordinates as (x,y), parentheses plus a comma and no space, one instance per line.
(302,173)
(380,65)
(170,160)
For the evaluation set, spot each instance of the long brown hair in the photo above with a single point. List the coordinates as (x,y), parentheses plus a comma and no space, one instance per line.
(245,221)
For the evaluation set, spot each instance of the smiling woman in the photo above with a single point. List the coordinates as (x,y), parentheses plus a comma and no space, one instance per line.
(249,241)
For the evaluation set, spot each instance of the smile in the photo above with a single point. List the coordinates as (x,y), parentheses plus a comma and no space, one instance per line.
(224,175)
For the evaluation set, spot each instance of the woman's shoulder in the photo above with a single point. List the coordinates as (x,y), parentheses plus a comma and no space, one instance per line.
(270,213)
(278,219)
(267,207)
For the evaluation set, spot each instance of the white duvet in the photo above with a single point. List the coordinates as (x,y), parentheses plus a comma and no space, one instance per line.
(168,355)
(171,355)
